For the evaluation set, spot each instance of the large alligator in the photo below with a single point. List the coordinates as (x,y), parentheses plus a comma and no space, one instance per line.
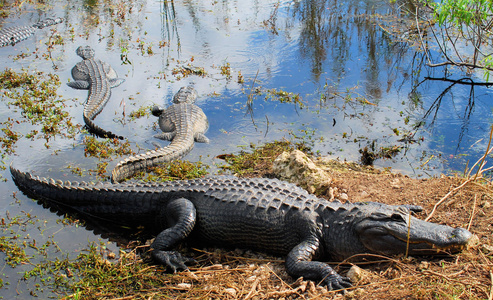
(15,34)
(182,123)
(99,78)
(263,214)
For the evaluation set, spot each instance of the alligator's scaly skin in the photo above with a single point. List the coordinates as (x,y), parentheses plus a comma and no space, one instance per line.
(182,123)
(98,77)
(262,214)
(13,35)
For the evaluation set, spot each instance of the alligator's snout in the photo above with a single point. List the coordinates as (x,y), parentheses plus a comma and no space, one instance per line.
(461,235)
(407,234)
(459,238)
(436,236)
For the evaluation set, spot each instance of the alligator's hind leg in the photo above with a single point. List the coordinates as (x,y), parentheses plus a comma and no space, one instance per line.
(180,215)
(79,84)
(166,136)
(298,263)
(200,137)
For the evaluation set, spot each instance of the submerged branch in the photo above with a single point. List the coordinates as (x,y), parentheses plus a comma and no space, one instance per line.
(465,80)
(459,64)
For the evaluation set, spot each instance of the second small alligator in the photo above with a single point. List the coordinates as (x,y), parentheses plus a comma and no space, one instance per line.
(98,77)
(182,123)
(13,35)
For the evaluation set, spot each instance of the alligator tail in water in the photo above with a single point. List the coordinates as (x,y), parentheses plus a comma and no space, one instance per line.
(183,123)
(13,35)
(98,77)
(253,213)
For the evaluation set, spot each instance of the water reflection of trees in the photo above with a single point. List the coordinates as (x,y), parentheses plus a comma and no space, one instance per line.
(322,27)
(342,33)
(431,114)
(169,28)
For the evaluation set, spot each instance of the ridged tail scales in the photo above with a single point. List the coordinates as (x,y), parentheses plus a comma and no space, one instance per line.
(13,35)
(102,201)
(183,123)
(128,167)
(98,77)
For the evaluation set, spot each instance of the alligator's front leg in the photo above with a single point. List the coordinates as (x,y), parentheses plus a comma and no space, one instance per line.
(298,263)
(180,215)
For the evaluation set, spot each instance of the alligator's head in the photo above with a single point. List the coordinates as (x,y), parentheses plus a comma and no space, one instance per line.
(86,52)
(157,110)
(390,230)
(186,94)
(48,22)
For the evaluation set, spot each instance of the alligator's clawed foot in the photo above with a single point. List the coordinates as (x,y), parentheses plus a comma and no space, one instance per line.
(172,259)
(337,282)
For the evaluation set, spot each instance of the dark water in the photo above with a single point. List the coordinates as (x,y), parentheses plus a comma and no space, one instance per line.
(360,87)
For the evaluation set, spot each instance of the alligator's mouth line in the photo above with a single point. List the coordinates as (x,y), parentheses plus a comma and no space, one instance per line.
(432,245)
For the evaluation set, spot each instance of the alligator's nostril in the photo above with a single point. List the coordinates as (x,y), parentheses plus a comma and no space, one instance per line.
(461,235)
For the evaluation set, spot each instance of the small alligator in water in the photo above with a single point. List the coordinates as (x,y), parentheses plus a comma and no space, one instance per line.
(262,214)
(182,123)
(13,35)
(99,78)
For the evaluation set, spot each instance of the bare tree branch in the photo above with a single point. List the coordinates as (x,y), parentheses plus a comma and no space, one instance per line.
(460,64)
(465,80)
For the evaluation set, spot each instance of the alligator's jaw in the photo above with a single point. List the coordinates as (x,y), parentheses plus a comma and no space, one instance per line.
(416,237)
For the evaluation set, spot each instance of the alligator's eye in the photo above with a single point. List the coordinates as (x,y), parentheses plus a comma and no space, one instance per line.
(397,217)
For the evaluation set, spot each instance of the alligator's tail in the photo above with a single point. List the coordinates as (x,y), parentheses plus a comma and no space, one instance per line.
(100,201)
(49,189)
(178,148)
(13,35)
(100,132)
(47,22)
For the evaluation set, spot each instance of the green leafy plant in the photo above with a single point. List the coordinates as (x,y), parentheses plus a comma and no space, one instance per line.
(462,33)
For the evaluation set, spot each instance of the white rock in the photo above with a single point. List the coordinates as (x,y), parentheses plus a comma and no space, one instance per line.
(184,285)
(356,274)
(297,168)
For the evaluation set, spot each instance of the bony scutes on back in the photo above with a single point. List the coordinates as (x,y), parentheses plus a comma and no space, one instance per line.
(320,228)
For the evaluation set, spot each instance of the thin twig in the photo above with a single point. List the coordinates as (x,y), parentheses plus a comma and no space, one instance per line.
(421,38)
(486,154)
(445,198)
(286,292)
(464,81)
(253,290)
(429,272)
(453,44)
(408,235)
(477,162)
(459,64)
(491,287)
(472,213)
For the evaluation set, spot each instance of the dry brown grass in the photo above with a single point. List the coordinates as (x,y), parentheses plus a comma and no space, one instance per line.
(238,274)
